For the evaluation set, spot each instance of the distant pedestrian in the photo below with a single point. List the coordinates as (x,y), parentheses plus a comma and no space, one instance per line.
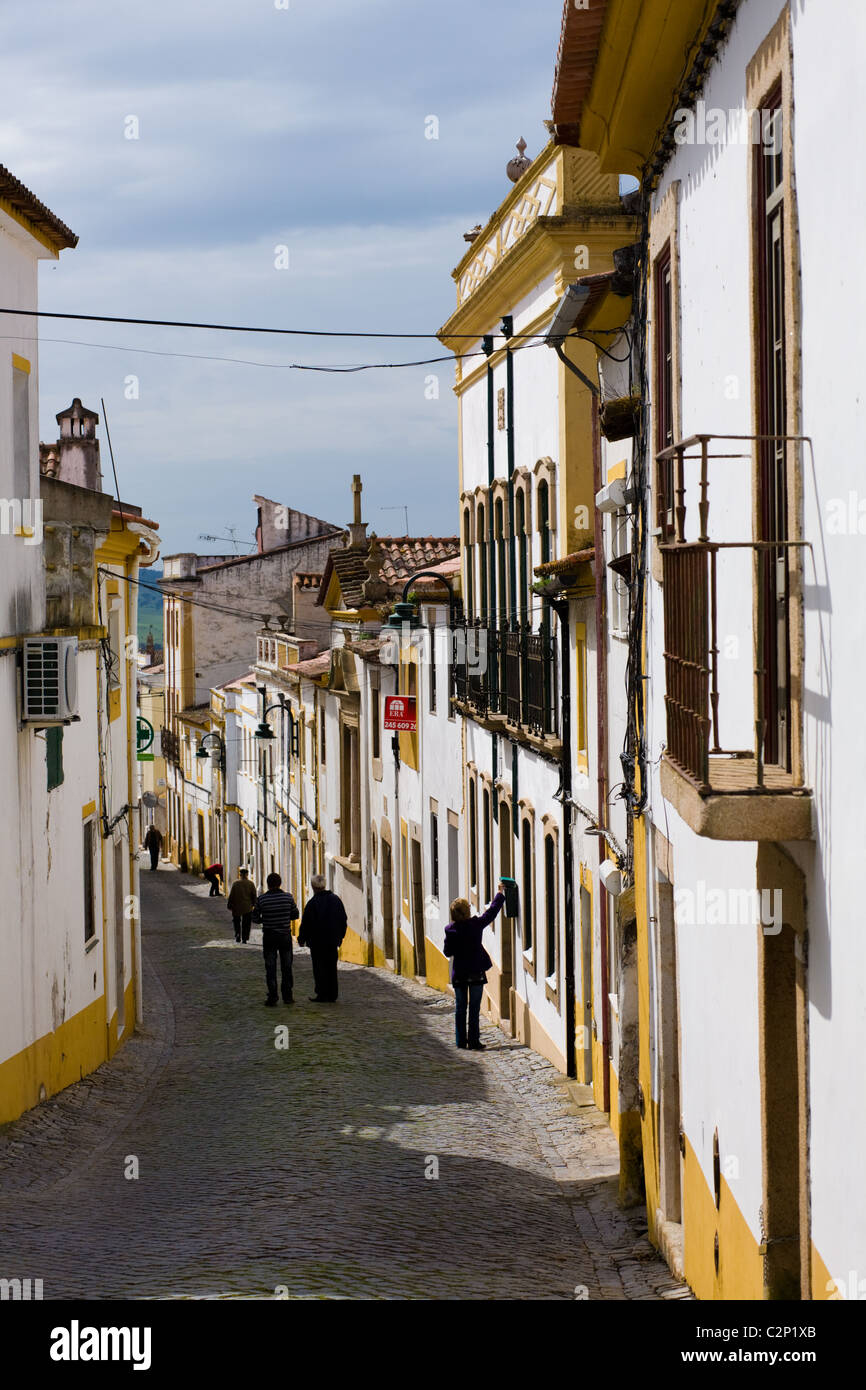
(277,911)
(213,873)
(469,965)
(241,904)
(153,843)
(323,927)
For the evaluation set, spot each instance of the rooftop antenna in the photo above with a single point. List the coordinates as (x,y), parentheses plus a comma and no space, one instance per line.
(231,535)
(401,507)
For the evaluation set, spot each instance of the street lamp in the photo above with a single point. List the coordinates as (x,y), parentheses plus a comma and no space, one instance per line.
(218,753)
(264,733)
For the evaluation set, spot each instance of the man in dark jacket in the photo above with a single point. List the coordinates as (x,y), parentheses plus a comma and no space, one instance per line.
(323,927)
(469,964)
(241,904)
(153,844)
(277,911)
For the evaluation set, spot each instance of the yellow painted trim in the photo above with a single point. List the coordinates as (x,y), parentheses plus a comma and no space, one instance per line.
(617,471)
(88,810)
(54,1061)
(741,1268)
(113,704)
(355,948)
(20,363)
(438,969)
(31,228)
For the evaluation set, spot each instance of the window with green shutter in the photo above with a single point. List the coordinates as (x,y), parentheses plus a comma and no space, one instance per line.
(54,756)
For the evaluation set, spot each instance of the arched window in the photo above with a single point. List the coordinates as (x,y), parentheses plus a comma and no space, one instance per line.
(501,580)
(469,561)
(550,904)
(544,520)
(481,522)
(528,895)
(522,556)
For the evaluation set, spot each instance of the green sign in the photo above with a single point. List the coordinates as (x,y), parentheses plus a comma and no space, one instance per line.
(143,736)
(144,757)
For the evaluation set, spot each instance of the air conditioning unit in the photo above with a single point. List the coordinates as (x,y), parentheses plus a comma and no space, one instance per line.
(50,680)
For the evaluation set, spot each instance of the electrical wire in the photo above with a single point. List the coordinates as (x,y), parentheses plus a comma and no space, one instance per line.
(245,328)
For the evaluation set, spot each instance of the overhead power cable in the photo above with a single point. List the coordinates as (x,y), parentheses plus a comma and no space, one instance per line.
(246,328)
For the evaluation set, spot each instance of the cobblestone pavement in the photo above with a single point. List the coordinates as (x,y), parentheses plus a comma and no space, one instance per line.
(304,1171)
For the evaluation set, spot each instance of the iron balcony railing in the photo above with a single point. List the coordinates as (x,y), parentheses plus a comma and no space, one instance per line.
(170,746)
(750,581)
(508,672)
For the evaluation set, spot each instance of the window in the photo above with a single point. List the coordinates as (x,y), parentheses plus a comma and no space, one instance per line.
(54,756)
(773,418)
(473,833)
(544,520)
(619,595)
(21,429)
(482,561)
(502,585)
(431,632)
(550,877)
(375,724)
(89,905)
(522,555)
(434,855)
(350,793)
(664,382)
(581,721)
(488,864)
(528,894)
(469,562)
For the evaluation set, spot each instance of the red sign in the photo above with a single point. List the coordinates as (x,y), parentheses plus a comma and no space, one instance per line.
(400,713)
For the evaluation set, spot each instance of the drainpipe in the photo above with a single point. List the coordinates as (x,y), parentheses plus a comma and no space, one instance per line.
(507,331)
(490,616)
(601,714)
(561,609)
(601,671)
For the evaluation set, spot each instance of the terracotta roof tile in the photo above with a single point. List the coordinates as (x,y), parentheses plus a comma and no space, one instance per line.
(28,205)
(402,556)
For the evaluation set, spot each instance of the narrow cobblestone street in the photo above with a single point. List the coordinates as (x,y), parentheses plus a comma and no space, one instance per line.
(305,1170)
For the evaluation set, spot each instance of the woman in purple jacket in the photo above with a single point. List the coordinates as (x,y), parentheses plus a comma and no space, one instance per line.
(469,964)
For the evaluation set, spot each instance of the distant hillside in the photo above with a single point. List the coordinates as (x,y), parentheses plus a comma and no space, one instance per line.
(150,605)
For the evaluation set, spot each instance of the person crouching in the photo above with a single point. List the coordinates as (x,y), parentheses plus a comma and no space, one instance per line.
(469,965)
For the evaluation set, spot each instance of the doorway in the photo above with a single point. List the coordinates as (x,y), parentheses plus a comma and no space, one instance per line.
(670,1157)
(453,861)
(417,890)
(119,951)
(506,869)
(388,900)
(583,1048)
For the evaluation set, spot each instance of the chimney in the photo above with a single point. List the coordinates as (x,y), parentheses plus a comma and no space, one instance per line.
(78,447)
(357,528)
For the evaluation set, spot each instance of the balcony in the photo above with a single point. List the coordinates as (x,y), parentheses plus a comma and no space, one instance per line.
(507,675)
(170,746)
(731,762)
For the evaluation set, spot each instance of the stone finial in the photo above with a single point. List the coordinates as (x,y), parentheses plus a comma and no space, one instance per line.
(516,168)
(472,233)
(375,588)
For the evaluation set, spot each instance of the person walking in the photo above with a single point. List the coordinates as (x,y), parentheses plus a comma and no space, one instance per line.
(277,911)
(469,965)
(153,843)
(213,873)
(323,927)
(241,904)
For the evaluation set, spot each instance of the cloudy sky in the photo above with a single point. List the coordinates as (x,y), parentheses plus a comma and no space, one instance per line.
(260,127)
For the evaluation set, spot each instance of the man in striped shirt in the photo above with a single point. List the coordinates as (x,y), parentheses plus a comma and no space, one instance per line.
(277,911)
